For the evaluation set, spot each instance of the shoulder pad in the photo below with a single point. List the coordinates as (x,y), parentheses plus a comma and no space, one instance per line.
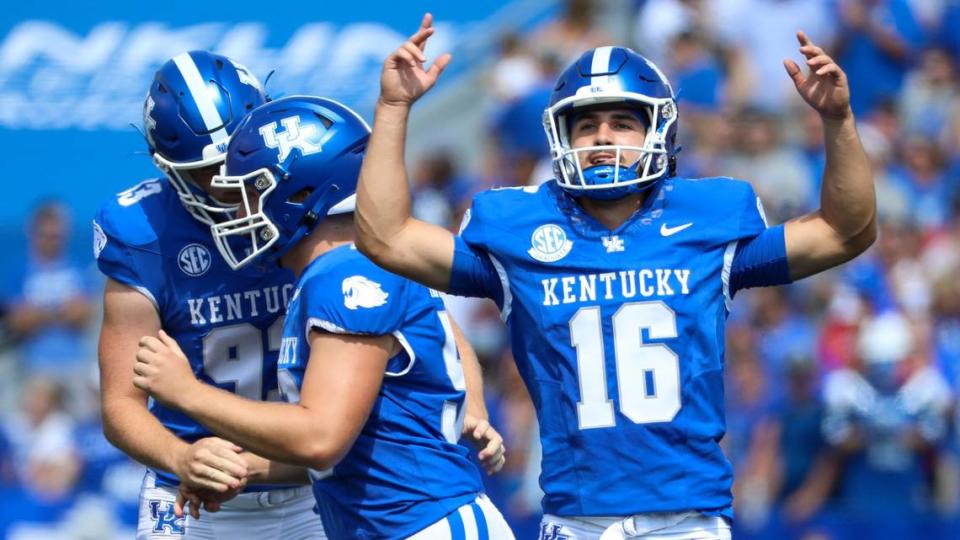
(134,216)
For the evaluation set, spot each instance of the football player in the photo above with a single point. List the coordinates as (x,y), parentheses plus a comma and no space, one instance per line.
(368,361)
(153,243)
(615,279)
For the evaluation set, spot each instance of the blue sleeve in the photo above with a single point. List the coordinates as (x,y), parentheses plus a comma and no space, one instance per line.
(366,301)
(473,272)
(118,261)
(760,261)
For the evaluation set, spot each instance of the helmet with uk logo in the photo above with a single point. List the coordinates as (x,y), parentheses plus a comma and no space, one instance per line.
(290,163)
(195,101)
(612,78)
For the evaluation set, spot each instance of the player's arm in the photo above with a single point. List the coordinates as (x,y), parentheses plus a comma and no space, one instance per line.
(845,224)
(476,419)
(340,386)
(261,471)
(267,471)
(128,424)
(386,231)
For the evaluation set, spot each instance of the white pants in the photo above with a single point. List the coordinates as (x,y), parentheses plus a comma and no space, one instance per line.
(665,526)
(279,513)
(479,520)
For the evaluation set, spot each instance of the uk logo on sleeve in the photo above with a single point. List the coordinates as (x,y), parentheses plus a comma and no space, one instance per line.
(360,292)
(99,240)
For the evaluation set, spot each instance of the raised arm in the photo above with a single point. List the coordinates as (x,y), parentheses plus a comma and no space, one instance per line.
(845,224)
(386,232)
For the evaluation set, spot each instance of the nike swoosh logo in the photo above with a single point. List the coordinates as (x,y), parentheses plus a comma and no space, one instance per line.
(670,231)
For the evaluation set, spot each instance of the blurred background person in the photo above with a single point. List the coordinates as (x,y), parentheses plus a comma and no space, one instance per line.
(886,420)
(49,302)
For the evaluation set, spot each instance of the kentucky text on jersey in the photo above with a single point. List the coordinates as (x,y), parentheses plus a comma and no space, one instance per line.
(227,323)
(239,305)
(620,342)
(623,284)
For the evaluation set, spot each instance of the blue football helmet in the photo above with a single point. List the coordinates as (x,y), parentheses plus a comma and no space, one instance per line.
(301,155)
(614,77)
(195,101)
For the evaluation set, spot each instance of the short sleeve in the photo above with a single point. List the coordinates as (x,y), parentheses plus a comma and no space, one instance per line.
(759,255)
(123,263)
(475,272)
(365,302)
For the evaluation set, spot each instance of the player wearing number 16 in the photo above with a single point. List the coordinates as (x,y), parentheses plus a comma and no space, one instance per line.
(153,243)
(615,279)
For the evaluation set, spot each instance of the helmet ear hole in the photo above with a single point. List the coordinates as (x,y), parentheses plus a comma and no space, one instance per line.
(300,196)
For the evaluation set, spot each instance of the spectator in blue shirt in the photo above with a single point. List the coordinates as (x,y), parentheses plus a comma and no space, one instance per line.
(49,304)
(877,42)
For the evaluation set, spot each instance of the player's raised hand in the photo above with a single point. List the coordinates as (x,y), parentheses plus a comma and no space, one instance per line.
(404,78)
(825,86)
(162,370)
(489,443)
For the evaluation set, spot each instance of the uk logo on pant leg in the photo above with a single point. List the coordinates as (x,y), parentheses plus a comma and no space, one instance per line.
(551,531)
(164,520)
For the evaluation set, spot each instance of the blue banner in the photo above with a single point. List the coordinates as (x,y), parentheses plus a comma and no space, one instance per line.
(73,76)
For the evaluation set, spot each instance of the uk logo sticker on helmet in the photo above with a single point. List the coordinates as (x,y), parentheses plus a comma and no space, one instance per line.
(360,292)
(293,136)
(549,243)
(194,260)
(149,122)
(245,77)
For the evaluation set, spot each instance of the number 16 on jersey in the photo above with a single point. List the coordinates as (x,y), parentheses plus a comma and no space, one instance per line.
(648,374)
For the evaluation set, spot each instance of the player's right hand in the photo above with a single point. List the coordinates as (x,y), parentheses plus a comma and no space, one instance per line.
(193,500)
(489,443)
(404,79)
(212,464)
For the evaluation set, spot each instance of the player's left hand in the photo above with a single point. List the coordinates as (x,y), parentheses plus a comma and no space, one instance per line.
(825,86)
(162,370)
(487,441)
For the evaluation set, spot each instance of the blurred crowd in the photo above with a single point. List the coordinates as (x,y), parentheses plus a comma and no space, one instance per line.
(841,389)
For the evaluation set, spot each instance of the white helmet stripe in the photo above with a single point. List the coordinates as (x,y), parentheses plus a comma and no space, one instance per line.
(201,96)
(601,60)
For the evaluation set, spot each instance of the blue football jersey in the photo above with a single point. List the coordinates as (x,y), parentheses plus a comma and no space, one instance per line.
(618,335)
(405,470)
(229,324)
